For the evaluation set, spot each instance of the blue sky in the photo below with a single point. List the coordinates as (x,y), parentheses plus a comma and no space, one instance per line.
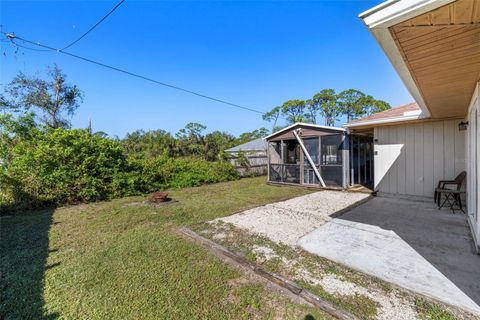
(256,54)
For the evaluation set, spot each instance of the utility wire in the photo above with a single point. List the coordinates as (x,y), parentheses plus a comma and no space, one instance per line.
(28,48)
(12,38)
(79,38)
(94,26)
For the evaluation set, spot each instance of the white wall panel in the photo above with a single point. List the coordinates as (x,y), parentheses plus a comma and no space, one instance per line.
(438,159)
(449,147)
(419,156)
(411,158)
(393,172)
(428,160)
(401,161)
(409,149)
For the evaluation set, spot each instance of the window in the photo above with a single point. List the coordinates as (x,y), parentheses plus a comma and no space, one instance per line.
(312,147)
(291,152)
(274,152)
(332,149)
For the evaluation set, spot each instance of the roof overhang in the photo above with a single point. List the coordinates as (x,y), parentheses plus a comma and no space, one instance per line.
(440,88)
(372,123)
(392,12)
(305,125)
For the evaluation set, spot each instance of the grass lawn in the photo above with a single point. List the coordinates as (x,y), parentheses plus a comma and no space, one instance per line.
(118,261)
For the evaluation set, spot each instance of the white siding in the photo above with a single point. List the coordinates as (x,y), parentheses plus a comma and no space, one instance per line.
(419,157)
(428,180)
(473,169)
(411,158)
(402,161)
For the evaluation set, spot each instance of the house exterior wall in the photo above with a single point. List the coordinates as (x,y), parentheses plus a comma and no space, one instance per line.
(410,159)
(473,165)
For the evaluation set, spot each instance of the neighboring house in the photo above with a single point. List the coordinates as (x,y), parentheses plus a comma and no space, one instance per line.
(435,47)
(249,158)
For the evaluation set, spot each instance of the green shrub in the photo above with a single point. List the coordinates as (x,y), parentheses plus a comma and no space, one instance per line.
(163,172)
(60,166)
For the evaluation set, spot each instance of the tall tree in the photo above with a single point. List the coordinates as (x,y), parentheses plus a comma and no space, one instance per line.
(294,110)
(190,140)
(192,131)
(252,135)
(371,105)
(54,98)
(313,108)
(325,103)
(216,143)
(378,106)
(272,116)
(352,103)
(149,144)
(4,104)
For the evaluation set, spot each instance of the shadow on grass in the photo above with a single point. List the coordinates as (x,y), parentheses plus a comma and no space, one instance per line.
(24,251)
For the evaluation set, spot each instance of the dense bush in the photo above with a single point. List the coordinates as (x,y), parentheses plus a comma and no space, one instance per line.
(153,174)
(59,166)
(43,162)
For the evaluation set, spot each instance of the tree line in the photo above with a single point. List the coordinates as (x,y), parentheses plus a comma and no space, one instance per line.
(52,101)
(188,141)
(326,104)
(43,162)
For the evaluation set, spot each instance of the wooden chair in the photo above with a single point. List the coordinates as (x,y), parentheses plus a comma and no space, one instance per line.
(451,194)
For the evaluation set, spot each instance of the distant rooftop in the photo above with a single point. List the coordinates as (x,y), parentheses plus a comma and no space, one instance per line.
(411,109)
(254,145)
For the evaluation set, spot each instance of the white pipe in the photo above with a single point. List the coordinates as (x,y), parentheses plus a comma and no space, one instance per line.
(309,158)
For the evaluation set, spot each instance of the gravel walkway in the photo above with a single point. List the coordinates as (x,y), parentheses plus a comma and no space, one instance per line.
(287,221)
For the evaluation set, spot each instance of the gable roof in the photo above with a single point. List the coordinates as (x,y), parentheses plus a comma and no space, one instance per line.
(405,112)
(255,145)
(307,125)
(390,113)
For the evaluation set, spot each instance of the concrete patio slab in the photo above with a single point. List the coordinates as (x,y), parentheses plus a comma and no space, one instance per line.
(408,243)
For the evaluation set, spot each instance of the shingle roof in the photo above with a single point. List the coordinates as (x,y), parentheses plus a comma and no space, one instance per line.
(395,112)
(254,145)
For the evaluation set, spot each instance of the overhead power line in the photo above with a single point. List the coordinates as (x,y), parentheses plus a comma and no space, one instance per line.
(79,38)
(13,37)
(94,26)
(28,48)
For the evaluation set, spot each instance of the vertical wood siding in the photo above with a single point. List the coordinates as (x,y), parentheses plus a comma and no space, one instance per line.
(411,158)
(402,161)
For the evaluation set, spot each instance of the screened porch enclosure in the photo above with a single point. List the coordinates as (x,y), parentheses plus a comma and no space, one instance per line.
(328,152)
(361,159)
